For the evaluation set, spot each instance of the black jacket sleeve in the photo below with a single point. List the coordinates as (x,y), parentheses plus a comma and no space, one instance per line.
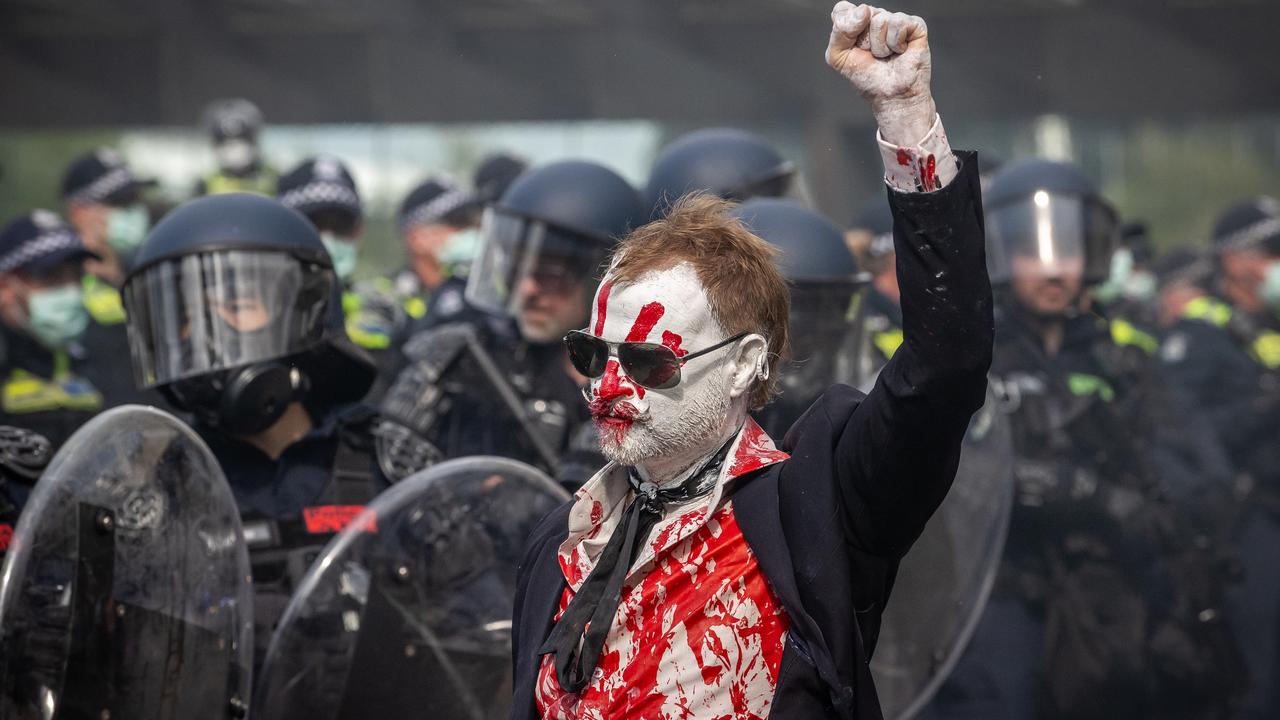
(897,454)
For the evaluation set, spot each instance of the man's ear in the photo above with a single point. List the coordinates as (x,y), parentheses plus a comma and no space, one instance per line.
(749,362)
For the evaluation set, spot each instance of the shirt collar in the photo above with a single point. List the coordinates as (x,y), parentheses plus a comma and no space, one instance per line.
(599,504)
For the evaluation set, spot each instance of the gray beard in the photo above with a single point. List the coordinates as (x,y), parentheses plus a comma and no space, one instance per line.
(696,427)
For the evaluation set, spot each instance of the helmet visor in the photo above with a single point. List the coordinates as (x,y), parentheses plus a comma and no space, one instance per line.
(1049,234)
(520,255)
(212,311)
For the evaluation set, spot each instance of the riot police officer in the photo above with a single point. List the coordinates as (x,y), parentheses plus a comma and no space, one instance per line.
(1084,588)
(234,315)
(478,383)
(52,382)
(726,162)
(1223,356)
(824,281)
(234,126)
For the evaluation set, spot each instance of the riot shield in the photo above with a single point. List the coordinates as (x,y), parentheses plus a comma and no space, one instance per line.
(126,590)
(943,583)
(408,611)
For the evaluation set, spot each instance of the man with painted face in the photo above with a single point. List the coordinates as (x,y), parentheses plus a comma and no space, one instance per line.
(234,316)
(50,381)
(234,126)
(322,189)
(1223,357)
(474,384)
(1067,632)
(707,571)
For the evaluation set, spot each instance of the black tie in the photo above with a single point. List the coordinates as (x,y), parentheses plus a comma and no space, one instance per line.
(578,638)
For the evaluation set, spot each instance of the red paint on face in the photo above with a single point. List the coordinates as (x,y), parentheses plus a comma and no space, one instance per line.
(602,306)
(649,316)
(904,158)
(612,386)
(672,341)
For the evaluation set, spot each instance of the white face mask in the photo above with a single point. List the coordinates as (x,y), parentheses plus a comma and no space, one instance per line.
(639,424)
(344,254)
(235,155)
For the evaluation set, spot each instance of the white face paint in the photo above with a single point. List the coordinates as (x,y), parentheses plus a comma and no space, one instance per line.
(639,424)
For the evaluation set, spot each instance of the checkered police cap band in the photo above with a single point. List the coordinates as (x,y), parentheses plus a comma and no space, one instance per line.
(1252,235)
(112,181)
(436,208)
(318,194)
(46,243)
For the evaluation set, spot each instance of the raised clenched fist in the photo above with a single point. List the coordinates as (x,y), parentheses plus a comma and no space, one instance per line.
(886,57)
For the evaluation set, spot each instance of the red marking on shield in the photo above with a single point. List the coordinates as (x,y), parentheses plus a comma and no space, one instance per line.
(602,306)
(649,316)
(673,341)
(6,536)
(327,519)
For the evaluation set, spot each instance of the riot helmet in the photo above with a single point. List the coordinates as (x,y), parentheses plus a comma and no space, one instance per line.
(824,279)
(232,306)
(727,162)
(1047,218)
(547,238)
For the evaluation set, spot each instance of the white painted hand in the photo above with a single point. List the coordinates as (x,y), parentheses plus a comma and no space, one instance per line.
(886,57)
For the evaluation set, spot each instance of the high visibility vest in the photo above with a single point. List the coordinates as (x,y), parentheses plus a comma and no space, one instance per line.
(102,300)
(25,392)
(261,183)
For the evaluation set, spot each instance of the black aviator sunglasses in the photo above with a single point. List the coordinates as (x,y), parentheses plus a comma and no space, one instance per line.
(650,365)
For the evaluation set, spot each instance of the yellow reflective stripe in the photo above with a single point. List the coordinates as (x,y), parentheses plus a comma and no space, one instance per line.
(350,303)
(366,338)
(1124,333)
(888,341)
(263,183)
(1084,384)
(102,301)
(1207,309)
(26,393)
(415,307)
(1266,348)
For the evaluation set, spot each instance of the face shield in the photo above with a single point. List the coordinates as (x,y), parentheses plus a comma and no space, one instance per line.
(213,311)
(1049,235)
(519,256)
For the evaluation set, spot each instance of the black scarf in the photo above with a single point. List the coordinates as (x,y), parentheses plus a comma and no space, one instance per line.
(578,638)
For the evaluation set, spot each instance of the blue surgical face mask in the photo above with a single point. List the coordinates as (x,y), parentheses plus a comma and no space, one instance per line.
(461,247)
(1121,269)
(56,316)
(1269,288)
(127,228)
(343,253)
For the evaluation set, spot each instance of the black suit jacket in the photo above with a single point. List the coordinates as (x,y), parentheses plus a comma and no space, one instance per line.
(829,525)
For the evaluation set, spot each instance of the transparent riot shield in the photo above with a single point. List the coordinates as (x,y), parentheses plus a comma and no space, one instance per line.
(126,590)
(943,583)
(408,611)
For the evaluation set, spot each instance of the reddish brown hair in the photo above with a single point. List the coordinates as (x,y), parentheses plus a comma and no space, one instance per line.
(737,269)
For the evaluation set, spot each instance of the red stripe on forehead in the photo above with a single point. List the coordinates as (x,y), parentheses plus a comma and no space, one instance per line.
(602,305)
(649,316)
